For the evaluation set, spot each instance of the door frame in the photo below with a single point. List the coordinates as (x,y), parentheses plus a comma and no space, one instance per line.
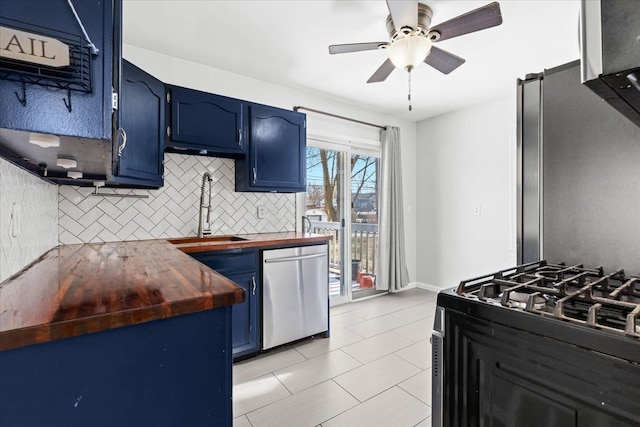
(346,146)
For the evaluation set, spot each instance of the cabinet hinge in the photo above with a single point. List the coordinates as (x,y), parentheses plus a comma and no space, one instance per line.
(114,100)
(169,131)
(168,97)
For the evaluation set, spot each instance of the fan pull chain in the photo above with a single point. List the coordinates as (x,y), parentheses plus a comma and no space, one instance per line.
(409,96)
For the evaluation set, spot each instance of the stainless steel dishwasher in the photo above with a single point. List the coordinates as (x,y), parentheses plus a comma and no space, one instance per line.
(295,283)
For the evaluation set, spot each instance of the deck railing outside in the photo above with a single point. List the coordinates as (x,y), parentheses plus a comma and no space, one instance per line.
(364,244)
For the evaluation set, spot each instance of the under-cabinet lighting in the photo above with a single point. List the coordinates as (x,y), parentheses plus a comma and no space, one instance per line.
(74,174)
(66,162)
(44,140)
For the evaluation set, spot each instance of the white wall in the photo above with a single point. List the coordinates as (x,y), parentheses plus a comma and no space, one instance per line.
(197,76)
(466,161)
(28,218)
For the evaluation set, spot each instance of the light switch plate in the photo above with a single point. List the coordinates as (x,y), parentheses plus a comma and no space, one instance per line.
(262,211)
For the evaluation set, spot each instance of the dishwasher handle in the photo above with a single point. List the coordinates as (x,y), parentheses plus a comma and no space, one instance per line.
(294,258)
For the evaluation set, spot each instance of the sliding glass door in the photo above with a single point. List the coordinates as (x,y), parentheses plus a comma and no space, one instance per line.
(333,177)
(324,207)
(364,198)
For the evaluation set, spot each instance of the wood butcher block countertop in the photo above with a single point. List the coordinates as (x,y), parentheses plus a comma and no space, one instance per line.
(78,289)
(249,241)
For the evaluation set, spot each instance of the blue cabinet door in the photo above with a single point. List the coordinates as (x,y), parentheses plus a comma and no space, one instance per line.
(165,373)
(139,149)
(241,266)
(204,123)
(244,316)
(276,160)
(74,100)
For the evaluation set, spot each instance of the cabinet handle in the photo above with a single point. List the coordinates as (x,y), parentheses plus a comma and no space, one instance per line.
(253,286)
(124,141)
(240,137)
(254,175)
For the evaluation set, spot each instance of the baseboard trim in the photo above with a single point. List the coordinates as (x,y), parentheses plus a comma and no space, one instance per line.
(428,287)
(410,285)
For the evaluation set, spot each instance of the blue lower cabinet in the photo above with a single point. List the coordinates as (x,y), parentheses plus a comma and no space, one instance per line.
(163,373)
(240,266)
(244,316)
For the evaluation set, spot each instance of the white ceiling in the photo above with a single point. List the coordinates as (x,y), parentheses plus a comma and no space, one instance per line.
(285,42)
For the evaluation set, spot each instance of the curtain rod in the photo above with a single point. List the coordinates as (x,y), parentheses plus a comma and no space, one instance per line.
(299,107)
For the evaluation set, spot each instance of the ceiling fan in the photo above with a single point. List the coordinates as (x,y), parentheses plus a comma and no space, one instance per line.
(411,38)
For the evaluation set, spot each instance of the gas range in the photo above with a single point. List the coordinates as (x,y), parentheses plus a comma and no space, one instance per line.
(538,340)
(575,294)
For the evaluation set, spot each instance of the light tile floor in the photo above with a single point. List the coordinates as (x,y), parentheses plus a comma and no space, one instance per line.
(374,370)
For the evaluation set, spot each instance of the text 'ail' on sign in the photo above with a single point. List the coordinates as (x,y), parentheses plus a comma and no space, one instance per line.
(33,48)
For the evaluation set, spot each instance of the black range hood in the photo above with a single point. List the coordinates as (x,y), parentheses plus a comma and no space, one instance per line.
(610,53)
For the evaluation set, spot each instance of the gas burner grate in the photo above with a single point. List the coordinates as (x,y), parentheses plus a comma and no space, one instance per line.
(569,293)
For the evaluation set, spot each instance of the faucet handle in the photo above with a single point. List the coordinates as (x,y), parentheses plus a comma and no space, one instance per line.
(306,224)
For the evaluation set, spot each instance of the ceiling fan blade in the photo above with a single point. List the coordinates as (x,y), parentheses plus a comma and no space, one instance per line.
(355,47)
(382,73)
(484,17)
(403,13)
(443,61)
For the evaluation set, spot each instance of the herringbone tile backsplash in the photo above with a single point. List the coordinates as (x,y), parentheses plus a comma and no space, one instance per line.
(28,218)
(172,211)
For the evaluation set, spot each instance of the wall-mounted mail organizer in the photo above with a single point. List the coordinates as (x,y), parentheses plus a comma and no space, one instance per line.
(45,57)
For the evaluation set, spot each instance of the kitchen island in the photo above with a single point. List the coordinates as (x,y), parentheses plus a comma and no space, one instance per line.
(124,333)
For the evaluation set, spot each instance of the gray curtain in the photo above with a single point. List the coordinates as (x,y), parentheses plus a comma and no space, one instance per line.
(392,273)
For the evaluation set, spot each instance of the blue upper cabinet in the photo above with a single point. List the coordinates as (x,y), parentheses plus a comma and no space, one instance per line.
(204,123)
(72,99)
(276,160)
(56,83)
(139,148)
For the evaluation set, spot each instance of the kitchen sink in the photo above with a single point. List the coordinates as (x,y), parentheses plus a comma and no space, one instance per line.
(207,239)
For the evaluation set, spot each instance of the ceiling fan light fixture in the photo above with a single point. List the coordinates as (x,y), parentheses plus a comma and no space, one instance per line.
(410,51)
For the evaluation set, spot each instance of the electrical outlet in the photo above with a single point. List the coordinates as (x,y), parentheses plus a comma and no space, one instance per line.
(477,210)
(262,211)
